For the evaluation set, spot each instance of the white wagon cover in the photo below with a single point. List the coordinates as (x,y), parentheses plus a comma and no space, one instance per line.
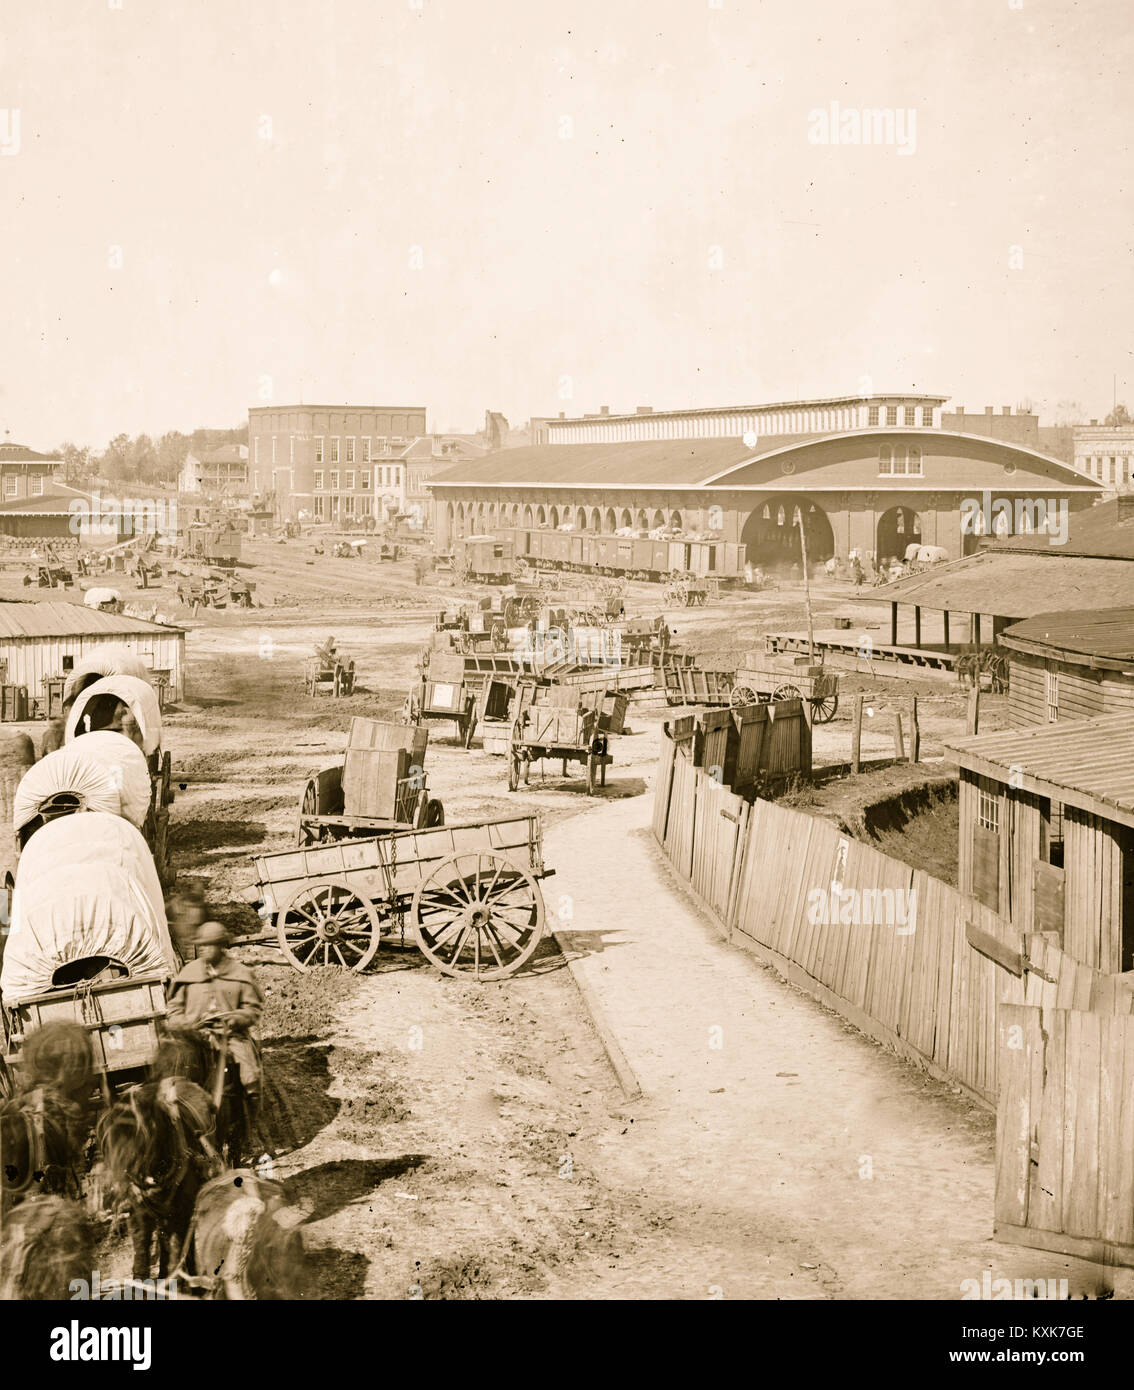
(106,661)
(138,694)
(107,769)
(85,886)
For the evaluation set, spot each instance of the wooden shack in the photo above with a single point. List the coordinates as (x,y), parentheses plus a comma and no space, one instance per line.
(1074,665)
(1047,833)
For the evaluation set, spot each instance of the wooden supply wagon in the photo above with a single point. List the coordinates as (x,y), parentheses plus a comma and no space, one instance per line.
(571,735)
(380,786)
(333,671)
(471,893)
(763,678)
(690,685)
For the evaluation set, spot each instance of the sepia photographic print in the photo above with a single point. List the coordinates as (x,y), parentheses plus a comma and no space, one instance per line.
(567,664)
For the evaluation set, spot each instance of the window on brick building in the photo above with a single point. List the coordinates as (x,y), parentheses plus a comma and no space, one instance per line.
(349,484)
(318,480)
(350,449)
(348,505)
(318,506)
(10,485)
(334,450)
(364,479)
(891,414)
(872,417)
(366,449)
(319,449)
(334,480)
(886,458)
(37,485)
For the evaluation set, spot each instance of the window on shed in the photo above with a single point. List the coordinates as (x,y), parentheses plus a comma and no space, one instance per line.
(988,810)
(1051,695)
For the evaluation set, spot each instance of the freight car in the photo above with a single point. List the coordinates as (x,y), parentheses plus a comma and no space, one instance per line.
(487,558)
(628,557)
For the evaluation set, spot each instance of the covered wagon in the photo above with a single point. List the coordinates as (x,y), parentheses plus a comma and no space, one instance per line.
(88,942)
(103,771)
(128,705)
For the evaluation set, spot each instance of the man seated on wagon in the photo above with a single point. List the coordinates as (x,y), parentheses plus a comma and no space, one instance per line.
(214,989)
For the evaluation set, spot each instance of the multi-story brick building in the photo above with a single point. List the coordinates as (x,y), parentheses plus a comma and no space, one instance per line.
(331,462)
(1106,453)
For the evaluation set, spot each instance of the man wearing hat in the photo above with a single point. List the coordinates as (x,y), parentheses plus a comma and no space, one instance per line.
(216,988)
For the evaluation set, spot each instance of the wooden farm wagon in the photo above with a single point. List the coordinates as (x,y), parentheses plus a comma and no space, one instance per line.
(379,786)
(567,734)
(764,678)
(331,671)
(470,893)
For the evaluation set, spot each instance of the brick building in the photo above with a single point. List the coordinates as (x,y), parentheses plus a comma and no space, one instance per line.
(330,462)
(1106,453)
(871,474)
(24,474)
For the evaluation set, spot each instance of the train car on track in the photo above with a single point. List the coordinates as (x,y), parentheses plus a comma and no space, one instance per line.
(628,557)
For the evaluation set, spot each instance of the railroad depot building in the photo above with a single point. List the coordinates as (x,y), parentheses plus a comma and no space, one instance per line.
(331,462)
(868,473)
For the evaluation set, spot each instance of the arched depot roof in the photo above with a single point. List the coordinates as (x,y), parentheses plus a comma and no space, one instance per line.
(730,463)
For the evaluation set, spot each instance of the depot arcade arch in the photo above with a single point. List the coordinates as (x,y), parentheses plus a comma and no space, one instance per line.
(898,528)
(771,533)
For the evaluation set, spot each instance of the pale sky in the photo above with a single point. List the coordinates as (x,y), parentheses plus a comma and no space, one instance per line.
(532,206)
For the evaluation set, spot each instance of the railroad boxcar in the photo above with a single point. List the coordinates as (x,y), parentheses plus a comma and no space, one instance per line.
(488,558)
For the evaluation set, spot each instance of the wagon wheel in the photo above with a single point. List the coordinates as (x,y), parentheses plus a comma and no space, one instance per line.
(499,637)
(478,913)
(468,725)
(823,709)
(328,923)
(592,763)
(513,771)
(742,695)
(787,691)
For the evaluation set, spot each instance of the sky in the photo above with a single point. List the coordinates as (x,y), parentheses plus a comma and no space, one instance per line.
(532,207)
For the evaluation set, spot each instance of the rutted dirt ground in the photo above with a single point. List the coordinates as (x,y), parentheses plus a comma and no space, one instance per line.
(460,1141)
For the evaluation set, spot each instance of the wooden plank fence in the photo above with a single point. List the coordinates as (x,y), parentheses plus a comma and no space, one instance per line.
(908,959)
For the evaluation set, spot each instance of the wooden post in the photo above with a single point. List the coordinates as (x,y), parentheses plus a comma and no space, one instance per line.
(899,741)
(893,624)
(856,734)
(976,630)
(806,586)
(946,629)
(915,731)
(917,624)
(972,719)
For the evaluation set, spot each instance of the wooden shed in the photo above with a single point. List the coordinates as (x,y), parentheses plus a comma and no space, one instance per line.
(1073,665)
(1047,833)
(41,640)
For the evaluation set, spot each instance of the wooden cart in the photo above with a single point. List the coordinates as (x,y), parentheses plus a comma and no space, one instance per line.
(333,672)
(690,685)
(764,678)
(471,893)
(121,1016)
(571,735)
(379,787)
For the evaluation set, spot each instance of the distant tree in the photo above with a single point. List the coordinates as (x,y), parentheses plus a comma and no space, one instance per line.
(115,462)
(143,460)
(1118,416)
(172,450)
(76,462)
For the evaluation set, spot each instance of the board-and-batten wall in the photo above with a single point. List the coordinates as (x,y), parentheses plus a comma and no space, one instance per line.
(30,660)
(1083,693)
(1000,870)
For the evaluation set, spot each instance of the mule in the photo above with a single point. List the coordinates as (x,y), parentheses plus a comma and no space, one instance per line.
(157,1150)
(245,1242)
(48,1246)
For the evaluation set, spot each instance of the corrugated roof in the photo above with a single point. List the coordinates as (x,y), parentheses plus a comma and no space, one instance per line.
(1013,584)
(1088,763)
(53,619)
(1103,633)
(1106,529)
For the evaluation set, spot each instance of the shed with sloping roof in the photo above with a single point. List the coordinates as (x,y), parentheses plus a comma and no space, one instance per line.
(1046,826)
(1071,665)
(41,640)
